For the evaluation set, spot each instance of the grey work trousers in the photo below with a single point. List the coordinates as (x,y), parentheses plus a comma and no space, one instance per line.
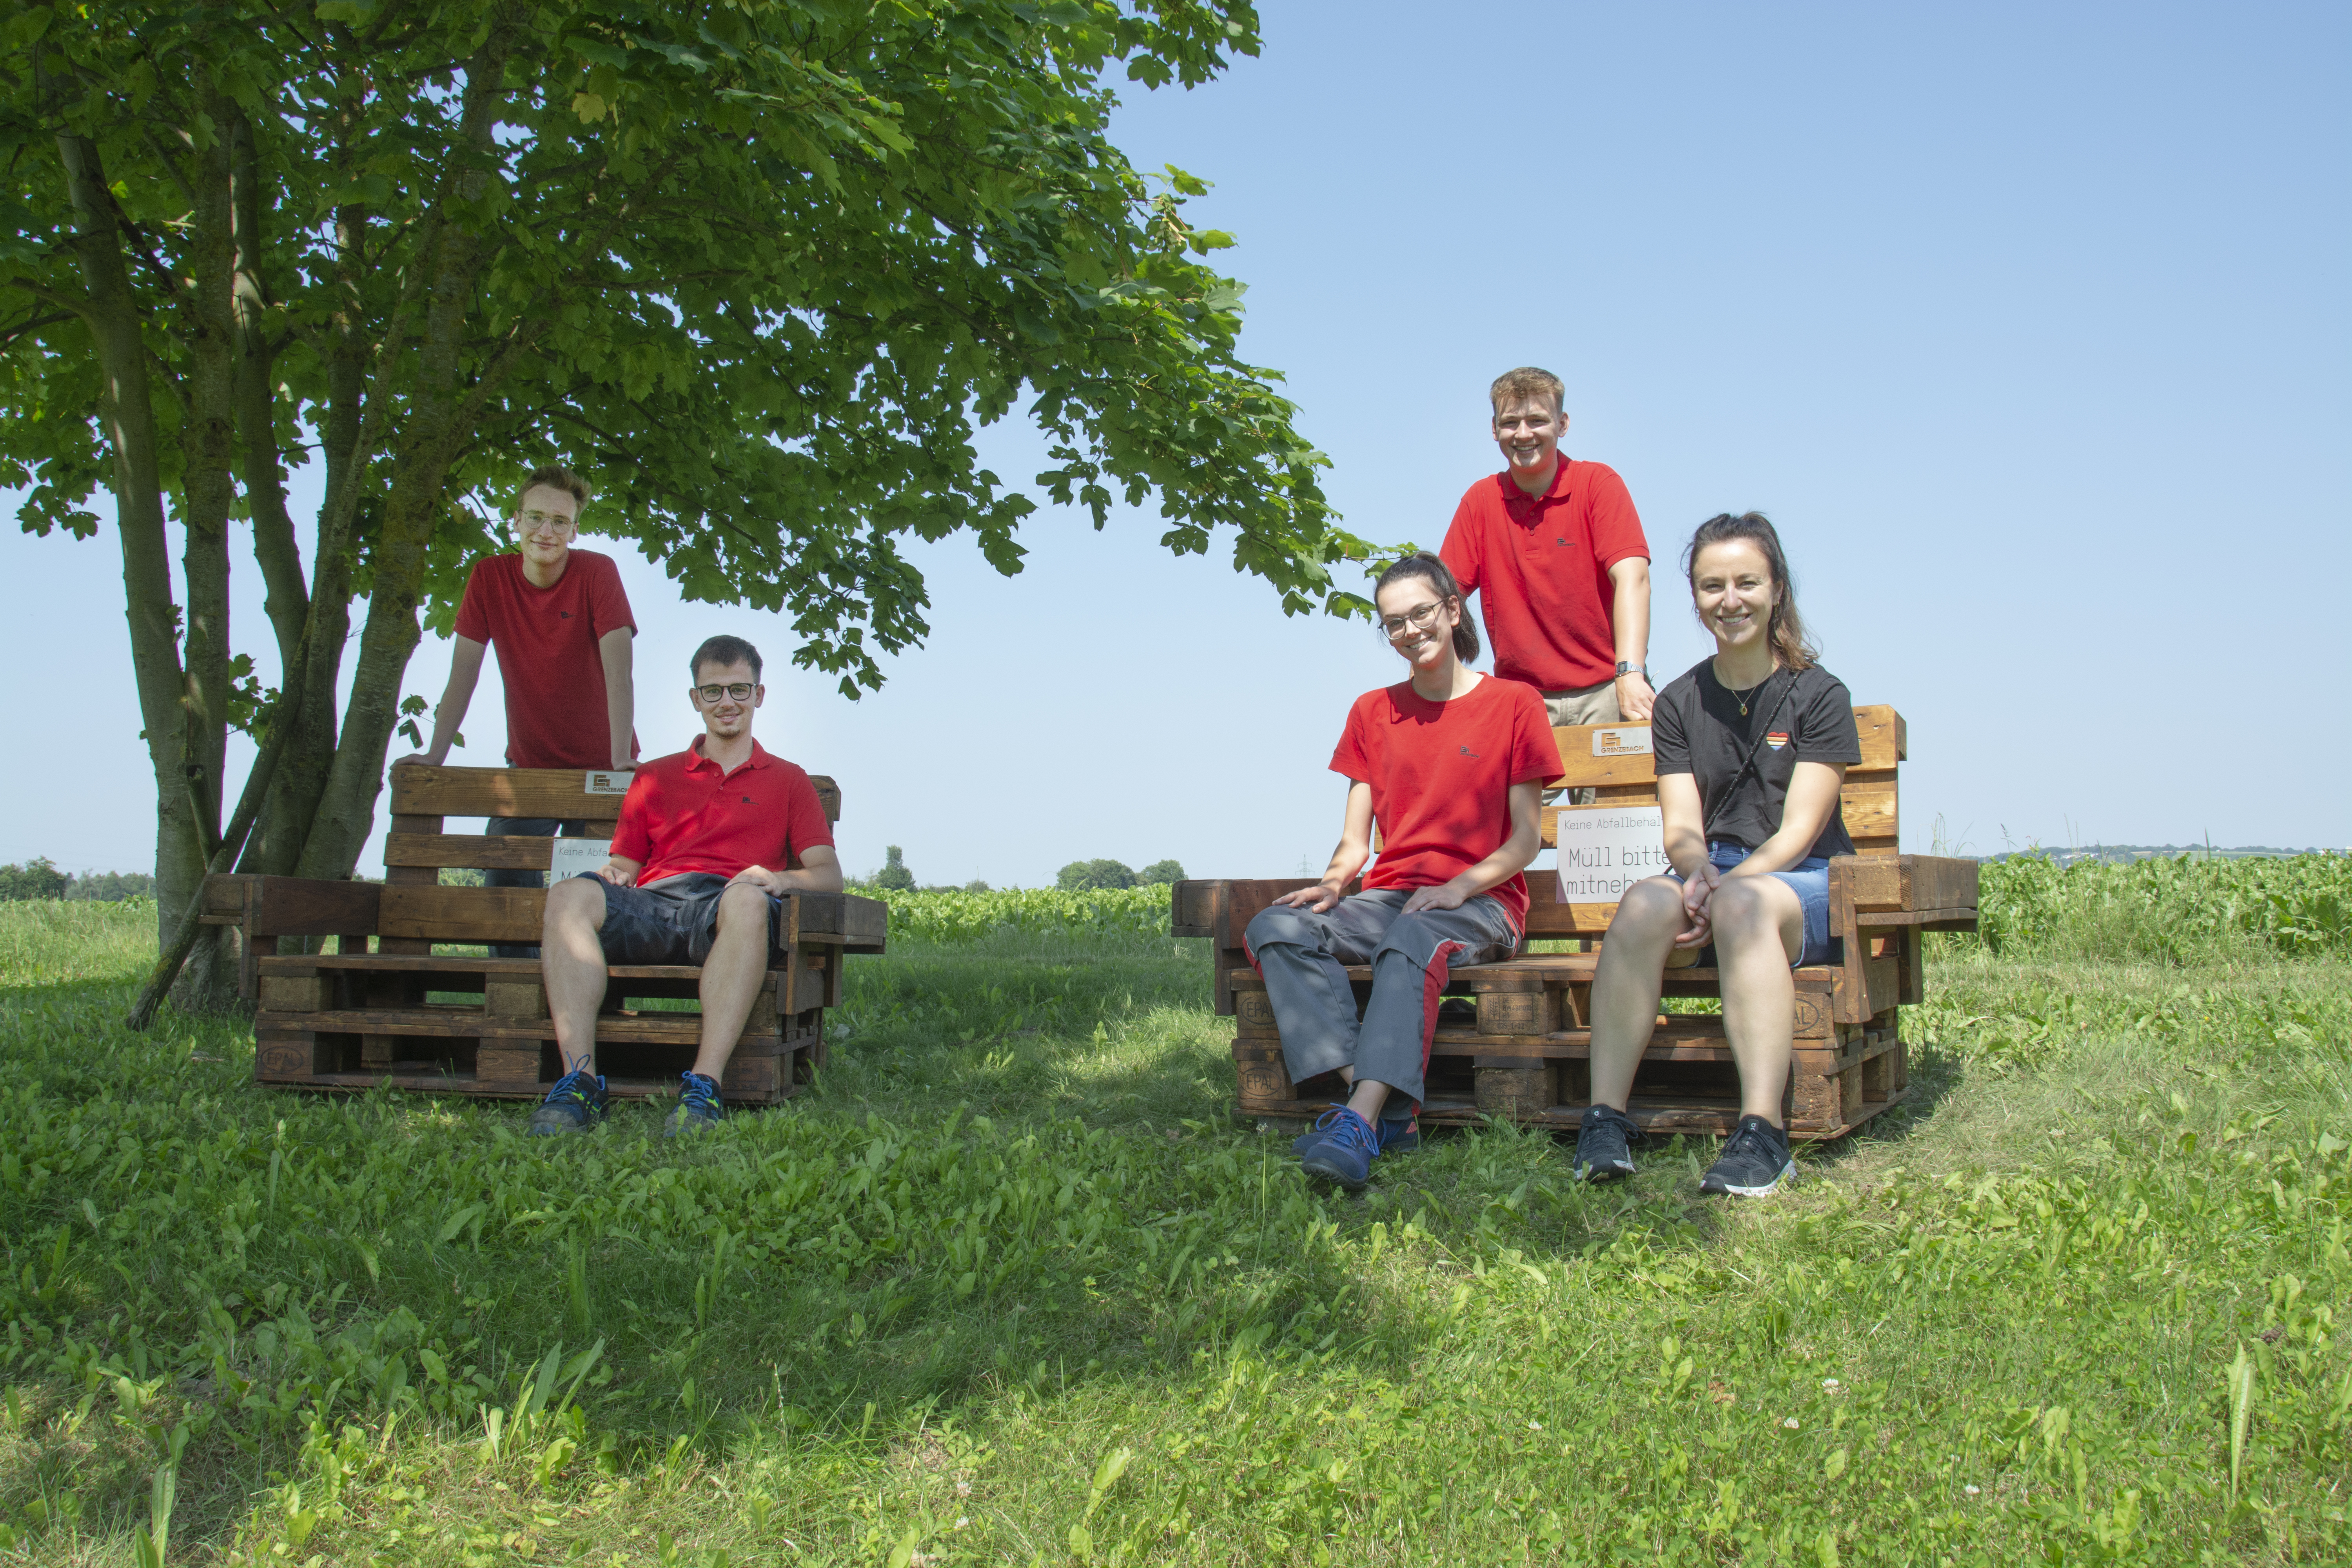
(1303,957)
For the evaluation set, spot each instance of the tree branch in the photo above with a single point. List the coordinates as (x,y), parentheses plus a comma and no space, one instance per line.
(76,305)
(35,325)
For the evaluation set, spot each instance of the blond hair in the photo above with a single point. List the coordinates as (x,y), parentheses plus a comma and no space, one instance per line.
(1519,385)
(554,476)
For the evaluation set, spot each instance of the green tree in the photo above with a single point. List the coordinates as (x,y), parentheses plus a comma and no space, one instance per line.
(1079,875)
(110,887)
(894,874)
(36,879)
(1160,871)
(761,266)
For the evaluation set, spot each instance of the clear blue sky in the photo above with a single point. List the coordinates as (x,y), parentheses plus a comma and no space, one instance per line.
(2028,324)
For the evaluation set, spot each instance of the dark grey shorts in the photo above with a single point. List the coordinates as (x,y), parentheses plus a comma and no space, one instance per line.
(673,920)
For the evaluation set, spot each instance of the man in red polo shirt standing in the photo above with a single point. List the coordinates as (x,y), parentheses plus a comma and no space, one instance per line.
(563,631)
(1554,550)
(709,841)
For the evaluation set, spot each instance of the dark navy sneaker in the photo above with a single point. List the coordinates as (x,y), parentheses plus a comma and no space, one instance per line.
(1604,1144)
(1398,1134)
(1341,1150)
(575,1104)
(697,1105)
(1754,1161)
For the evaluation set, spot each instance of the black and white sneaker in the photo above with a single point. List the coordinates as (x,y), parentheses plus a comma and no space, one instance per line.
(1754,1161)
(1604,1142)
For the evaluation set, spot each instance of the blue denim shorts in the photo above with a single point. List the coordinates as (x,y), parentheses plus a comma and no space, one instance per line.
(673,920)
(1808,878)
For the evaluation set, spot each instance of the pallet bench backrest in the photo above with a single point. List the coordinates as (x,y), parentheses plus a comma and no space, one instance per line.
(1615,761)
(1877,887)
(417,910)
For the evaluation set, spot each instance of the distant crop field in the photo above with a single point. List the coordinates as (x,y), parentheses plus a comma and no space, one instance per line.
(2175,911)
(1011,1285)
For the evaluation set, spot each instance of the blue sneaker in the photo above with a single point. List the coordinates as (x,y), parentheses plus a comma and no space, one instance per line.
(575,1104)
(1342,1149)
(697,1105)
(1398,1134)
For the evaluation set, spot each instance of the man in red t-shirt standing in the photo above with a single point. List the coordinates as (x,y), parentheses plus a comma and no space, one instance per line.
(709,841)
(1554,550)
(563,631)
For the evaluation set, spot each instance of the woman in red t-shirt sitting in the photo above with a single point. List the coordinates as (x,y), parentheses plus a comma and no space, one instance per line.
(1452,764)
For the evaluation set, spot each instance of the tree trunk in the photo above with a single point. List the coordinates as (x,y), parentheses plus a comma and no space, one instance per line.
(126,410)
(275,549)
(208,490)
(450,258)
(300,780)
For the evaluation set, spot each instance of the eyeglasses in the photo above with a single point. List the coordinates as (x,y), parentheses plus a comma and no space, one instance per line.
(1419,620)
(537,523)
(740,690)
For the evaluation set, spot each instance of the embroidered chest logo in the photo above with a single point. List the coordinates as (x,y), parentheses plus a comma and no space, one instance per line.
(1469,753)
(1776,739)
(1560,541)
(749,801)
(565,613)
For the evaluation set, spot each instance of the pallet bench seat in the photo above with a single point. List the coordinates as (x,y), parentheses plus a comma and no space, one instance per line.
(1512,1039)
(387,1007)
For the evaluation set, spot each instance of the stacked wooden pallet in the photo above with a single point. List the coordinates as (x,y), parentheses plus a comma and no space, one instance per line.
(395,1005)
(1514,1039)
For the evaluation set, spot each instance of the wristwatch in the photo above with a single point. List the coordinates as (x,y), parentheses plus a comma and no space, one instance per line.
(1624,669)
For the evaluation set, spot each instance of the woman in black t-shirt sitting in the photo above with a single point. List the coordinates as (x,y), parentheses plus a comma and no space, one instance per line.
(1751,747)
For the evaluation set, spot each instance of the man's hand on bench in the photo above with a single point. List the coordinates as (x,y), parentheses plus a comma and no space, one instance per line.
(819,872)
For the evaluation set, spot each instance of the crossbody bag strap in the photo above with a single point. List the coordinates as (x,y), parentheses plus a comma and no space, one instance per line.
(1748,768)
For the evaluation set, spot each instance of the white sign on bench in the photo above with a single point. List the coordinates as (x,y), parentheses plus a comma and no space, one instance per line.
(1605,849)
(577,857)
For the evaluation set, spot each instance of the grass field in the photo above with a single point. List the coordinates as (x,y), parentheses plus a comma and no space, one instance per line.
(1011,1287)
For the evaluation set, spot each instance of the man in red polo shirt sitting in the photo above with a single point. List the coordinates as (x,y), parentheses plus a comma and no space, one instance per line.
(1554,550)
(709,841)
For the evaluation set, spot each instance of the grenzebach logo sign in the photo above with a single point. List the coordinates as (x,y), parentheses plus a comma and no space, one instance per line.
(1605,849)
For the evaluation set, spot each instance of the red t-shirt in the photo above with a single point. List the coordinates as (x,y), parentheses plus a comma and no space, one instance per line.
(1540,568)
(683,814)
(1442,774)
(548,656)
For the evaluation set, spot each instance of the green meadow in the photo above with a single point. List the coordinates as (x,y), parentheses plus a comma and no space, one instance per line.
(1011,1286)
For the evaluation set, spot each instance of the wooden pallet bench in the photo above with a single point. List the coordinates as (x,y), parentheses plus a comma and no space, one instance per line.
(392,1005)
(1512,1039)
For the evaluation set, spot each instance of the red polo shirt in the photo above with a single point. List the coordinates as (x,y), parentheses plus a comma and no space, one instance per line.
(1539,567)
(548,655)
(683,814)
(1441,775)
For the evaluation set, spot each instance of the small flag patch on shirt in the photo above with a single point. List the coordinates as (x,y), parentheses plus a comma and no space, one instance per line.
(1776,739)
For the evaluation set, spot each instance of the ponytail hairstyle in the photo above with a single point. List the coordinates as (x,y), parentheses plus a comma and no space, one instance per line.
(1421,563)
(1786,630)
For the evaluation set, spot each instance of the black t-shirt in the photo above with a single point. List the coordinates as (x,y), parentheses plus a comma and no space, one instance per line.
(1695,727)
